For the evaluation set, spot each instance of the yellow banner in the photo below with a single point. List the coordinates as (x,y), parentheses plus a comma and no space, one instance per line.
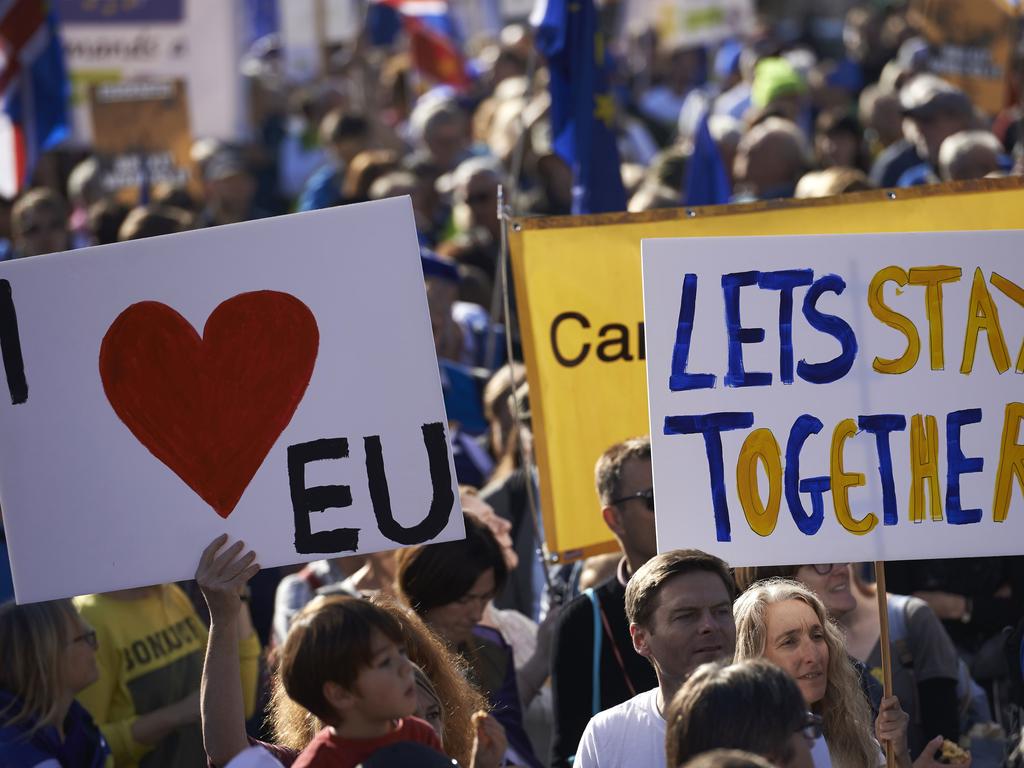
(578,286)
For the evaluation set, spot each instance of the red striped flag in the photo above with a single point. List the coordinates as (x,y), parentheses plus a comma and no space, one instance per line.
(33,90)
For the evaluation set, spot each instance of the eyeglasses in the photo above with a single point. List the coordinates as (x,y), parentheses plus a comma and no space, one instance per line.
(824,569)
(812,727)
(646,496)
(89,638)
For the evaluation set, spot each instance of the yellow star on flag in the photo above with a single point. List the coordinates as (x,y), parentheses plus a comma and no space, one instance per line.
(604,108)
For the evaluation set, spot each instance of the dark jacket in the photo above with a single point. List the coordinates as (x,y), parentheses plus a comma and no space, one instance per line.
(572,667)
(83,745)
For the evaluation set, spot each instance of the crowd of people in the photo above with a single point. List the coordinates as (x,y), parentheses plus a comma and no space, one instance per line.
(478,651)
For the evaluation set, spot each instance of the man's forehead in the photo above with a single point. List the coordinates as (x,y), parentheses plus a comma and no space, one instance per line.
(696,589)
(637,471)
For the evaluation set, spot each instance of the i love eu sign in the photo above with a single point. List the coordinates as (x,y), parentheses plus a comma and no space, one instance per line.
(274,380)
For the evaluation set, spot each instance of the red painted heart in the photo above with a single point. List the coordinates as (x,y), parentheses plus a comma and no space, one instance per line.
(211,408)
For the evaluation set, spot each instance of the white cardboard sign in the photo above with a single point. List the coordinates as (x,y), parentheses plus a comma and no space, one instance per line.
(275,380)
(692,22)
(837,398)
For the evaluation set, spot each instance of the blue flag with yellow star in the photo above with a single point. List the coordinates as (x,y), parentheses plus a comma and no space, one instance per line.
(568,34)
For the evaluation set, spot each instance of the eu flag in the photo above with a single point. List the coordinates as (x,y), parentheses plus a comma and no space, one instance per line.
(582,106)
(707,182)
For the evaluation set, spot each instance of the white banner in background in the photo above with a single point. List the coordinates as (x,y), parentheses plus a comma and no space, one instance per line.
(692,22)
(197,41)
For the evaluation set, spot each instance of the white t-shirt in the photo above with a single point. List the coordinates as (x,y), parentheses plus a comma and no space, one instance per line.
(820,755)
(627,735)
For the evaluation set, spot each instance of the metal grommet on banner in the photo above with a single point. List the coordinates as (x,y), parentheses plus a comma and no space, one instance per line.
(891,195)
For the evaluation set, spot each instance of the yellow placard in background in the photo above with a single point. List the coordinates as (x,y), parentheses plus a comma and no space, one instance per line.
(142,135)
(971,45)
(580,299)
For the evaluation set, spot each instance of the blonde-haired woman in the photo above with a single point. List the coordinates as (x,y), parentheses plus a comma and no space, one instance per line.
(786,623)
(47,655)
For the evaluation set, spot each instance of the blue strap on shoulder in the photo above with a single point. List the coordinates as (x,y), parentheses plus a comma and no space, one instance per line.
(595,682)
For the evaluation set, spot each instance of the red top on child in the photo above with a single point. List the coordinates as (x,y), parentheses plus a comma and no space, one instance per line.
(328,750)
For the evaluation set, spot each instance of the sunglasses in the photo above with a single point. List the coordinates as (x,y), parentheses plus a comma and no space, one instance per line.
(89,638)
(812,727)
(646,496)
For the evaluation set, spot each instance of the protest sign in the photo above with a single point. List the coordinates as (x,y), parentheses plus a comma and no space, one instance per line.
(692,22)
(192,40)
(142,135)
(308,27)
(578,287)
(971,45)
(837,398)
(274,380)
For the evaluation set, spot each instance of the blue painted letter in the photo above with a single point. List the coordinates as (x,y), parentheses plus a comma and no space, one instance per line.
(785,281)
(805,426)
(738,335)
(839,366)
(680,380)
(880,426)
(712,425)
(957,464)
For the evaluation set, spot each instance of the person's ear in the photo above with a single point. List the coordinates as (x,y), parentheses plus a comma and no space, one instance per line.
(339,697)
(640,637)
(613,519)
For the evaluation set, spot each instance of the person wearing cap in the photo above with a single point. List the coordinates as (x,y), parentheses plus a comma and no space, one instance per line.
(228,187)
(933,110)
(779,90)
(460,338)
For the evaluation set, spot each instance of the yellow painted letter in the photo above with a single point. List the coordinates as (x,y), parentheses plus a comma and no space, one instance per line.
(842,481)
(924,467)
(982,314)
(1011,462)
(760,446)
(1016,293)
(902,323)
(933,278)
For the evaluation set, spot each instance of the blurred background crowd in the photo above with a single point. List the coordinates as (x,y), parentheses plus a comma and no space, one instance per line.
(629,106)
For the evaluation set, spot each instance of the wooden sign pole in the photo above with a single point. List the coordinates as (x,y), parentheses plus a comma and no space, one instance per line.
(883,618)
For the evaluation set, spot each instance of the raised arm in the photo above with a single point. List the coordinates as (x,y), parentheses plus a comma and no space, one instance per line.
(221,576)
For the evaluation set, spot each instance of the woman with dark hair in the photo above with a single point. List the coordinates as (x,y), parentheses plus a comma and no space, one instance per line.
(449,585)
(751,705)
(49,655)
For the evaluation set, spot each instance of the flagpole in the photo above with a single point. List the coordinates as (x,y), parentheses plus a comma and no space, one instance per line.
(525,459)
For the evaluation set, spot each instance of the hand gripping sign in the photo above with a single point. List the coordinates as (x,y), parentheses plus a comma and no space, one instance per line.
(274,380)
(837,398)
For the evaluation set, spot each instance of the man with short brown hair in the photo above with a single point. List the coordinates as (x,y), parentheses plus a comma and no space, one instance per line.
(679,606)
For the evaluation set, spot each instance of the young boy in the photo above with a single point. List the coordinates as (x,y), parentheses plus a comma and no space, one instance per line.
(346,664)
